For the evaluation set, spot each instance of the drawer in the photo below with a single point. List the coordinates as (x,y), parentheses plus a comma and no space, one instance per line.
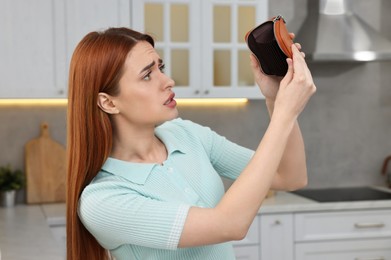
(370,249)
(342,225)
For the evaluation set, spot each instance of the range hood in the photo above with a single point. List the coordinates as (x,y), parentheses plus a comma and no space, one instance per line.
(332,32)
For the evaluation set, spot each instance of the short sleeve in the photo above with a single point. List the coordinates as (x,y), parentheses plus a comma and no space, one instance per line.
(116,215)
(228,158)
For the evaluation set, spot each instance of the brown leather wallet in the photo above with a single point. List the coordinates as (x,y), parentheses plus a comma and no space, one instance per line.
(271,44)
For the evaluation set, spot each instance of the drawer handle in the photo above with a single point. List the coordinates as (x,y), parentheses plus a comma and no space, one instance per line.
(372,258)
(369,225)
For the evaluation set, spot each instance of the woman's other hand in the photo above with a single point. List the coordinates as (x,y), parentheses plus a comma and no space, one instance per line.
(296,87)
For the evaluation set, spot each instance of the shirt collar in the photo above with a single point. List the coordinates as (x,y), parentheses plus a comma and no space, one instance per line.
(139,172)
(134,172)
(170,140)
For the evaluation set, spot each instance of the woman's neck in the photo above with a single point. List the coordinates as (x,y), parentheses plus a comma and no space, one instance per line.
(138,145)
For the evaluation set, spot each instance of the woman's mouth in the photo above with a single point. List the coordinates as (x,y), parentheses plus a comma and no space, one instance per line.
(170,101)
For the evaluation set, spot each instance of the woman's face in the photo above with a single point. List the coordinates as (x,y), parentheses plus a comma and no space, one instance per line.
(145,95)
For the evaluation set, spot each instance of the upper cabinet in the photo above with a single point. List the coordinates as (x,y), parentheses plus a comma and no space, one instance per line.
(38,39)
(86,16)
(202,43)
(32,49)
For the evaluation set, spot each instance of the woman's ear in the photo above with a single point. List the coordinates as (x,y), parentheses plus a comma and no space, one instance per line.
(106,103)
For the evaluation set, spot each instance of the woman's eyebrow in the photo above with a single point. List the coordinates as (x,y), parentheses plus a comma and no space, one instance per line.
(149,66)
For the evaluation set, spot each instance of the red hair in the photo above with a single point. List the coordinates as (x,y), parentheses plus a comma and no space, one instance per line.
(96,66)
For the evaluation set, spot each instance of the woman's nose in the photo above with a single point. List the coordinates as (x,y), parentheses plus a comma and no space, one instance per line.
(169,82)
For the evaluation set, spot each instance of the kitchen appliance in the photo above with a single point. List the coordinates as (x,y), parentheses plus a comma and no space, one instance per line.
(364,193)
(333,32)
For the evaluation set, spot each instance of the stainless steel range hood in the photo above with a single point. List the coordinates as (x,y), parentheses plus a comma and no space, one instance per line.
(335,33)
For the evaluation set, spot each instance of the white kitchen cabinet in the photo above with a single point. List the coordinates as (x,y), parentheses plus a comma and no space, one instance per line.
(248,248)
(32,49)
(202,43)
(341,235)
(365,249)
(85,16)
(276,233)
(320,235)
(38,39)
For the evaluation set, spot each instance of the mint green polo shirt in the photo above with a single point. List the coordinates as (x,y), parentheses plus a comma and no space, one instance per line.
(138,210)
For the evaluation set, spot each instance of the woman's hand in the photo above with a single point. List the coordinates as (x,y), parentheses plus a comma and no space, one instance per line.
(296,87)
(268,84)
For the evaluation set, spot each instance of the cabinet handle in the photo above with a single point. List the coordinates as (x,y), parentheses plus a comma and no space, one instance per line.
(369,225)
(371,258)
(196,92)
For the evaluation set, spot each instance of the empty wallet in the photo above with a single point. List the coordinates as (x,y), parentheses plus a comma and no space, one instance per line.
(271,44)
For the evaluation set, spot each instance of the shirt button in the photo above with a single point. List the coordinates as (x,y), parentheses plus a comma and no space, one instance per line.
(187,190)
(170,169)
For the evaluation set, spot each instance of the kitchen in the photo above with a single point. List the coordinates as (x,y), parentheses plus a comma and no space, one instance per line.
(345,125)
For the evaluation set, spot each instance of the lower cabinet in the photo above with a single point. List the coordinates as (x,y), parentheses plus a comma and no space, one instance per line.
(366,249)
(336,235)
(276,241)
(343,235)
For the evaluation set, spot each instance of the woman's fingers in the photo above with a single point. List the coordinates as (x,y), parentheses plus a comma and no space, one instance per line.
(289,74)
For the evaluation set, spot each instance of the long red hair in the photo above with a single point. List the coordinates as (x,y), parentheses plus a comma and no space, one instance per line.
(96,66)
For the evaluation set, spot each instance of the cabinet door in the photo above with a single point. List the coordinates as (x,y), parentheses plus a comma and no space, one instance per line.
(225,56)
(202,43)
(175,27)
(277,237)
(85,16)
(373,249)
(32,49)
(342,225)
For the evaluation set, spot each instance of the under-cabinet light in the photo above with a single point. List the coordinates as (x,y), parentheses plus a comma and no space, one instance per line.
(211,101)
(33,102)
(180,101)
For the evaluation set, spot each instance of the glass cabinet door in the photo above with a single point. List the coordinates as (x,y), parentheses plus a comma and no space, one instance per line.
(202,43)
(228,71)
(173,25)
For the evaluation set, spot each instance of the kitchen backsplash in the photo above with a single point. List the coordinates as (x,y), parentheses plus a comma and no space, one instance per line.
(346,125)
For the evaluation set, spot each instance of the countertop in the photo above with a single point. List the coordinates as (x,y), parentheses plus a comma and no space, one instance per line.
(25,232)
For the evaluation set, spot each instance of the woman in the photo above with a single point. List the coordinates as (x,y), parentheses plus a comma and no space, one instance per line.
(144,184)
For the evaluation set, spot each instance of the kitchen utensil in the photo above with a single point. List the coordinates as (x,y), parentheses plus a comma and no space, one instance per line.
(45,169)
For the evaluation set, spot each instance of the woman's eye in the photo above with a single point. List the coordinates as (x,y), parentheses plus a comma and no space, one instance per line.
(162,68)
(147,77)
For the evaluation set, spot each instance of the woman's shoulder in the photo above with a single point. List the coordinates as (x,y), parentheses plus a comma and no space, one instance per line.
(179,125)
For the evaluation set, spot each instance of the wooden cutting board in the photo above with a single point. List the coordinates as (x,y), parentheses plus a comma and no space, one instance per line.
(45,169)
